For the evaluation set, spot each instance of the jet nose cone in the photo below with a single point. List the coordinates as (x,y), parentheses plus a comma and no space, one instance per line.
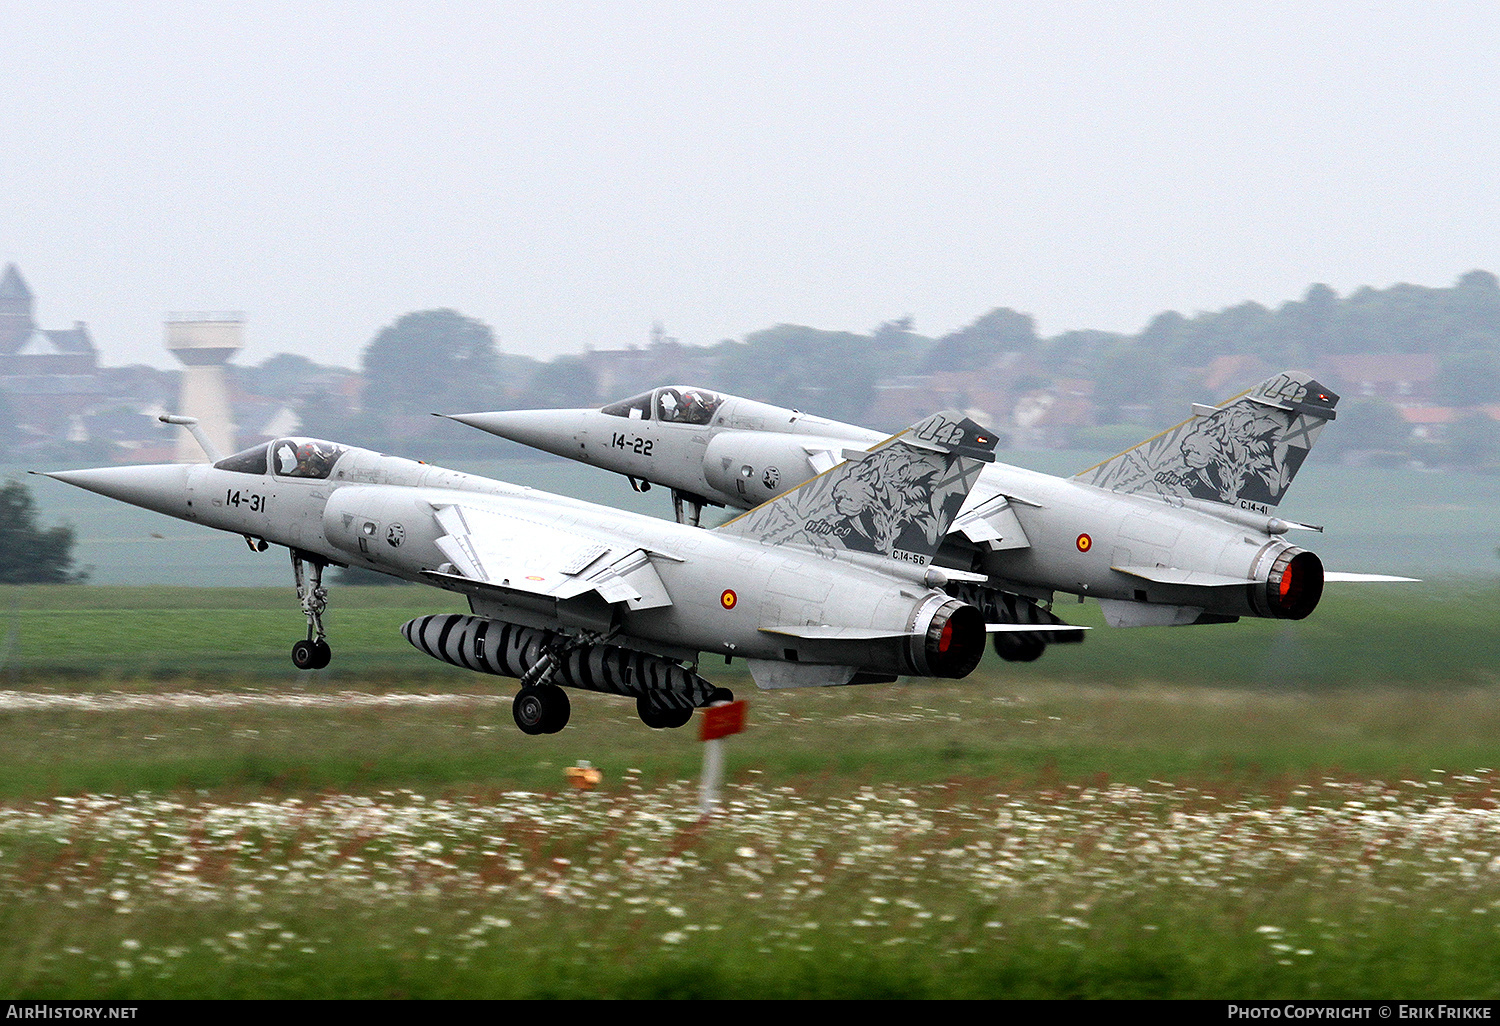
(162,487)
(556,431)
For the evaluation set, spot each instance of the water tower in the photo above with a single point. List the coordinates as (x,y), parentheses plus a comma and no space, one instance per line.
(204,342)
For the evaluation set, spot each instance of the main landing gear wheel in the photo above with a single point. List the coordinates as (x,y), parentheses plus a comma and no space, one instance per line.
(312,654)
(659,717)
(1019,648)
(541,709)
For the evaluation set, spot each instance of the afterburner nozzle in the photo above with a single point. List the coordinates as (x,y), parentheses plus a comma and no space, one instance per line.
(554,431)
(160,487)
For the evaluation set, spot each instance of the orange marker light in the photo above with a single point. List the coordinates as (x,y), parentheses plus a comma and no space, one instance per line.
(1085,543)
(729,599)
(584,777)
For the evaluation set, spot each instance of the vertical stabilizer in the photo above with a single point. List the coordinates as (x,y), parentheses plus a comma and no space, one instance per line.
(896,500)
(1244,453)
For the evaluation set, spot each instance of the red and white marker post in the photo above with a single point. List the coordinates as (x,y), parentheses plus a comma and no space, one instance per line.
(719,721)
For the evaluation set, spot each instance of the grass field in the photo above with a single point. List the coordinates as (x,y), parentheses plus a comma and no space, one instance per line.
(1256,810)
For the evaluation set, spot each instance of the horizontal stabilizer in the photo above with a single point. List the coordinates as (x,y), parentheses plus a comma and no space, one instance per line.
(1122,613)
(1031,628)
(1343,577)
(822,459)
(824,633)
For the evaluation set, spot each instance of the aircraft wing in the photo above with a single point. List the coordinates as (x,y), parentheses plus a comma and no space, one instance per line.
(518,554)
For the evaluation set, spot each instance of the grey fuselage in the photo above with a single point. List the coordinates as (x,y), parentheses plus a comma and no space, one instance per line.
(379,512)
(1206,561)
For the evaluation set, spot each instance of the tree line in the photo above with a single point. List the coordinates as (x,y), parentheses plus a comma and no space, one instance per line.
(439,360)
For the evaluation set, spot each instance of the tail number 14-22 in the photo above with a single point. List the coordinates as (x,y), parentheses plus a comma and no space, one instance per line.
(635,444)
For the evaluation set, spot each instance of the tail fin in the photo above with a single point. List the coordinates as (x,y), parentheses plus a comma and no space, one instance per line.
(1244,453)
(896,500)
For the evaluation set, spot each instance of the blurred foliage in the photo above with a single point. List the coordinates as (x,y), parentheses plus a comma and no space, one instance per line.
(567,382)
(441,361)
(974,347)
(1365,424)
(430,361)
(29,553)
(831,373)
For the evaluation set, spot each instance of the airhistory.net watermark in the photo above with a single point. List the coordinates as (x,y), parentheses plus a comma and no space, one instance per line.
(41,1010)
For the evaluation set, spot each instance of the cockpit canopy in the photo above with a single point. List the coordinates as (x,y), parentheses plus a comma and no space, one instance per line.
(310,458)
(675,404)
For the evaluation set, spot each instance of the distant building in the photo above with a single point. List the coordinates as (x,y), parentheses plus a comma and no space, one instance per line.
(1397,377)
(988,395)
(1047,418)
(27,349)
(50,376)
(1429,423)
(1228,376)
(621,373)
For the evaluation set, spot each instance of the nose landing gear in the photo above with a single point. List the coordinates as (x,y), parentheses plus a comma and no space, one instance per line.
(313,653)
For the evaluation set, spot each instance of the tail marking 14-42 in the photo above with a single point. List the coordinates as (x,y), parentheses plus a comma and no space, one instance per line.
(1243,454)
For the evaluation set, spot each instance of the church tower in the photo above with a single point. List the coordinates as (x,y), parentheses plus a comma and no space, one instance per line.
(16,323)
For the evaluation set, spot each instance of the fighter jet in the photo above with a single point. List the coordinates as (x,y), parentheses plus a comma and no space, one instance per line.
(1179,530)
(830,583)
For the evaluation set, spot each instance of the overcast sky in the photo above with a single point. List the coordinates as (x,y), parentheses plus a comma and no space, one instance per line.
(571,172)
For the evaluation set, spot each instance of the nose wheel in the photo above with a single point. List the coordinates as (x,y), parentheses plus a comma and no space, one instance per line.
(313,653)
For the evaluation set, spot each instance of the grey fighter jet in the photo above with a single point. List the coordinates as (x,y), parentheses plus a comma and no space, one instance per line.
(1180,530)
(831,583)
